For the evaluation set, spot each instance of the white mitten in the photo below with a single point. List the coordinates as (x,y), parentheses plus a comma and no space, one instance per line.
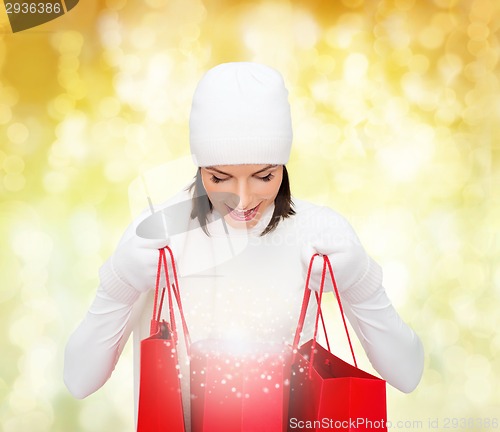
(132,269)
(347,256)
(356,274)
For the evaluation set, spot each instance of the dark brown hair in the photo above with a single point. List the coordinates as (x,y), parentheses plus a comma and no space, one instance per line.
(283,204)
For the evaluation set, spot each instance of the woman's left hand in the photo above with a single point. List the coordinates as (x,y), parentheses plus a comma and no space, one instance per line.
(348,258)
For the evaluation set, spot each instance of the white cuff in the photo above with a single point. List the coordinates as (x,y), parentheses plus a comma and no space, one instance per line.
(115,287)
(367,286)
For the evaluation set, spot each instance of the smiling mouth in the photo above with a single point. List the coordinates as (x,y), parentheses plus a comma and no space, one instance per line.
(242,215)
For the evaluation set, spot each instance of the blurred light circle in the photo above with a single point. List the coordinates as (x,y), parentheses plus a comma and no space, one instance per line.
(478,31)
(431,37)
(14,182)
(5,113)
(18,133)
(55,182)
(13,164)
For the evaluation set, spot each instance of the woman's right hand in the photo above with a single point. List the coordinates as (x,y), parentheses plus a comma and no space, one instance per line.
(135,262)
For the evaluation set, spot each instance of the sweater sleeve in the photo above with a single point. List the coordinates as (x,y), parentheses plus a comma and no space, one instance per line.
(393,348)
(94,348)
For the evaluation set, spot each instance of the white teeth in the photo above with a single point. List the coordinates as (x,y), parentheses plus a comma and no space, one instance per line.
(242,215)
(243,212)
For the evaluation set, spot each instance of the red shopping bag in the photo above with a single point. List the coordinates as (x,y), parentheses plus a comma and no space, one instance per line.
(327,393)
(239,387)
(160,401)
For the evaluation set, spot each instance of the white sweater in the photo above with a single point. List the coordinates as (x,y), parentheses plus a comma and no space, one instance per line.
(239,285)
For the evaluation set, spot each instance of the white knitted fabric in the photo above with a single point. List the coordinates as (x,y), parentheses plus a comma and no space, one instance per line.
(240,115)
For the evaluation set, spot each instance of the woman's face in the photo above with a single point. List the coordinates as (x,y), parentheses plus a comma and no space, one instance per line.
(242,193)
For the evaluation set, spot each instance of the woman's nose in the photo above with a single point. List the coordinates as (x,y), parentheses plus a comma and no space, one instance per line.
(244,194)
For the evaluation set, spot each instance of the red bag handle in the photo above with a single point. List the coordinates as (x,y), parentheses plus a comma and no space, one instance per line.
(172,291)
(305,303)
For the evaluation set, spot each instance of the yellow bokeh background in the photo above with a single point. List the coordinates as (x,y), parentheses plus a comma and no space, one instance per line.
(396,110)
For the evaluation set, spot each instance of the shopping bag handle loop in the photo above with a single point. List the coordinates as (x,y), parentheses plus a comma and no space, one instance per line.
(305,302)
(173,292)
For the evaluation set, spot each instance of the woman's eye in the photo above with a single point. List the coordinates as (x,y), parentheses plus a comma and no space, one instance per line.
(217,179)
(267,178)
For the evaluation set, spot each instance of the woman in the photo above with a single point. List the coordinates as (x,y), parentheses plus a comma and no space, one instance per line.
(241,245)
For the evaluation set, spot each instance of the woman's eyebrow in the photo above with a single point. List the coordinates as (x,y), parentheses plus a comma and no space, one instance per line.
(265,169)
(217,170)
(210,168)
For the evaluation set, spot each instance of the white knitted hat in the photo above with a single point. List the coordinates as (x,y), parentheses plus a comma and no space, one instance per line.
(240,115)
